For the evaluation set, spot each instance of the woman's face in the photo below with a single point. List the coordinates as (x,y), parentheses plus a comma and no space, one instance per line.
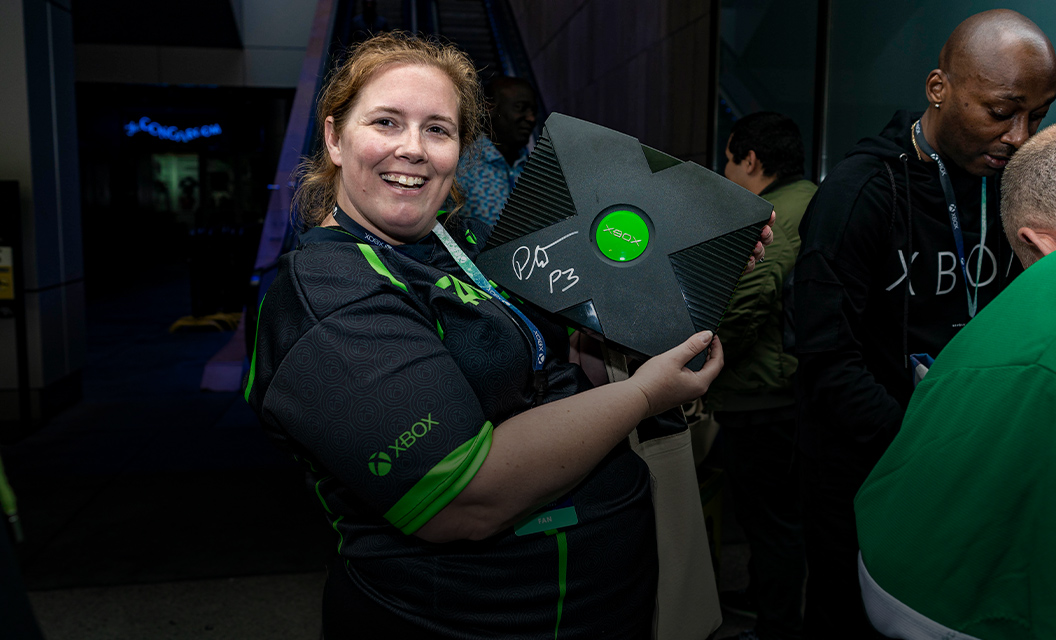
(397,151)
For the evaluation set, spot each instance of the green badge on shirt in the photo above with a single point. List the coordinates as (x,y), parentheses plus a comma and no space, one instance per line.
(547,520)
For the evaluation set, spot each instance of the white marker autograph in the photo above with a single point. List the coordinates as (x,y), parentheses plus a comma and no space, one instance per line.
(526,260)
(568,273)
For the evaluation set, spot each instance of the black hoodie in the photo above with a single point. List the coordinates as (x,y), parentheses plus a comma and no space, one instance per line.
(855,323)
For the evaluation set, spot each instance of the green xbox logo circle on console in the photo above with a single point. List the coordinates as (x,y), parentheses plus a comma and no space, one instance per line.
(622,236)
(380,464)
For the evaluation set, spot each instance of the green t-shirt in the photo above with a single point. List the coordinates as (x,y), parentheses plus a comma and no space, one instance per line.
(957,520)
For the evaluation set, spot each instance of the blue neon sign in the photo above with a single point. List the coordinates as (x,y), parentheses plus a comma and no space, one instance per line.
(171,133)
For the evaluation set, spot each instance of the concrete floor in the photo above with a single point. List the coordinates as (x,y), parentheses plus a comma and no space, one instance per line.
(281,607)
(278,607)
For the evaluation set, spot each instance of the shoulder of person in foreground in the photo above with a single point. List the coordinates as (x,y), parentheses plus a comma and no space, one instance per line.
(964,450)
(1008,349)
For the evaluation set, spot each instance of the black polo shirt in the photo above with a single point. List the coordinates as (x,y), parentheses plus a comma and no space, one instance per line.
(385,371)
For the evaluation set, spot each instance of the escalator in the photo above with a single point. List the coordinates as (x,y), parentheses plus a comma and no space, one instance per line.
(465,23)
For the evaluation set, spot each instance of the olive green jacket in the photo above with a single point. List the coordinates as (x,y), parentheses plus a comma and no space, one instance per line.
(758,373)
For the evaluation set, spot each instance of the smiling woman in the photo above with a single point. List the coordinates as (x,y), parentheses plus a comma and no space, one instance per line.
(397,152)
(346,100)
(479,487)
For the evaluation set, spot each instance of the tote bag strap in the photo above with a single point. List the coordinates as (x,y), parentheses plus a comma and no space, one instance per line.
(687,599)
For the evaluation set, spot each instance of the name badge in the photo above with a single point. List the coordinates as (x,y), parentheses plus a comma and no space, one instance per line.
(548,520)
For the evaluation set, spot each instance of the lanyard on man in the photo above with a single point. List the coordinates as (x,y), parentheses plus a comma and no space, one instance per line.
(955,219)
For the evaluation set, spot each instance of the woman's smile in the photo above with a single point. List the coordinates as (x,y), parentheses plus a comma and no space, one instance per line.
(403,181)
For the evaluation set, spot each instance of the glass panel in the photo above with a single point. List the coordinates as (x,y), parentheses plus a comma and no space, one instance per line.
(767,64)
(176,185)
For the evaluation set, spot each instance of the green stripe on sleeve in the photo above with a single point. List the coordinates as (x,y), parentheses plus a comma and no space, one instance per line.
(441,484)
(253,360)
(375,261)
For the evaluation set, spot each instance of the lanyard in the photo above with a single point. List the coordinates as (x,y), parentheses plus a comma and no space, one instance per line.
(539,382)
(473,272)
(358,230)
(955,219)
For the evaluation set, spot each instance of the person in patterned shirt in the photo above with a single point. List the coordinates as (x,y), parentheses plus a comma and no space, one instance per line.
(489,171)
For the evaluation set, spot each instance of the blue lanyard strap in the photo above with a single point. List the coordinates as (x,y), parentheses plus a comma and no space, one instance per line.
(955,219)
(356,229)
(539,382)
(474,273)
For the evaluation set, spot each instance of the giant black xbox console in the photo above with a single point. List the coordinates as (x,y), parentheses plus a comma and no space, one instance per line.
(623,240)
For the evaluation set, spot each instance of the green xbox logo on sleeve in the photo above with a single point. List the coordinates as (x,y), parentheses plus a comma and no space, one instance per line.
(622,235)
(380,463)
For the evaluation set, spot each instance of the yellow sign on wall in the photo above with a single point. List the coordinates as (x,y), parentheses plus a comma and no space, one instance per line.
(7,274)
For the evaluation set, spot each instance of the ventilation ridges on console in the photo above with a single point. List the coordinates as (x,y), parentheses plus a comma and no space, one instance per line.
(540,200)
(708,273)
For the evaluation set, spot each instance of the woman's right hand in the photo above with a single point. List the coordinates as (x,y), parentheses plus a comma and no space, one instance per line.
(666,382)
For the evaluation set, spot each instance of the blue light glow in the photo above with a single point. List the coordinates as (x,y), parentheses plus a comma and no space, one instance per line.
(171,133)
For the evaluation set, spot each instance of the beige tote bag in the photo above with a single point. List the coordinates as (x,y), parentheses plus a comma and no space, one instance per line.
(687,599)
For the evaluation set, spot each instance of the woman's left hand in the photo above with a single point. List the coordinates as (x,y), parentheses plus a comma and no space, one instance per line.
(765,238)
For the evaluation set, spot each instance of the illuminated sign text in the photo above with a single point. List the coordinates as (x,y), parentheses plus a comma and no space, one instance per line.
(171,133)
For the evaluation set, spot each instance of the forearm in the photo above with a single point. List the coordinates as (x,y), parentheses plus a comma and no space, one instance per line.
(546,451)
(537,456)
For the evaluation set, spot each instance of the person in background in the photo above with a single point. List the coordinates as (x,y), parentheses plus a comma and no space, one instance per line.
(956,520)
(489,171)
(901,248)
(753,398)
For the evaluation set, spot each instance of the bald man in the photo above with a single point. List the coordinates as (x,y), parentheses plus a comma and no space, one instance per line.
(901,247)
(956,521)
